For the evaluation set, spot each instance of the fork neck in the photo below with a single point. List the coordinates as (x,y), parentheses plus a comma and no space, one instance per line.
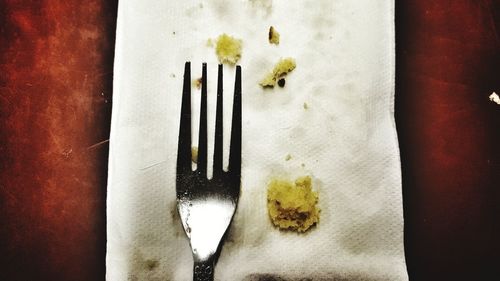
(203,270)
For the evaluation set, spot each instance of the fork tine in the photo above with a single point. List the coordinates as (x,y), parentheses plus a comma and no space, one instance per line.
(184,144)
(218,127)
(235,148)
(202,140)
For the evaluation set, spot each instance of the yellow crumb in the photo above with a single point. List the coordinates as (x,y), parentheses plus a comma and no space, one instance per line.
(194,154)
(274,36)
(288,157)
(210,43)
(292,206)
(281,68)
(197,83)
(228,49)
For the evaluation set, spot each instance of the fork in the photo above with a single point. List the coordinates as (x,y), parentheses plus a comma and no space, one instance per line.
(206,206)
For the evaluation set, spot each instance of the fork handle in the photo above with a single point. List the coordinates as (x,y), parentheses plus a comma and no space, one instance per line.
(203,270)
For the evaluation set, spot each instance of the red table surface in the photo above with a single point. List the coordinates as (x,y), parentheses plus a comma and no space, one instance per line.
(55,107)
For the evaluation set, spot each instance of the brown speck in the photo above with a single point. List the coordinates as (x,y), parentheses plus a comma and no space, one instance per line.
(302,165)
(151,264)
(172,75)
(288,157)
(306,106)
(281,82)
(173,32)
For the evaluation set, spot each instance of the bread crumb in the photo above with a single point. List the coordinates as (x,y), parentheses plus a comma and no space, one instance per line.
(274,36)
(210,43)
(306,106)
(194,154)
(228,49)
(282,68)
(495,98)
(292,206)
(197,83)
(288,157)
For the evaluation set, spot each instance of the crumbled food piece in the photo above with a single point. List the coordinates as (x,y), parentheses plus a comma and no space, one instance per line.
(194,154)
(228,49)
(494,98)
(274,36)
(292,206)
(283,67)
(288,157)
(306,106)
(281,82)
(210,43)
(197,83)
(172,75)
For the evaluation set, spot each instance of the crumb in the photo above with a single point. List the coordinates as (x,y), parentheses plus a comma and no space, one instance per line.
(173,33)
(197,83)
(281,69)
(292,206)
(274,36)
(281,82)
(67,153)
(306,106)
(302,165)
(228,49)
(494,98)
(151,264)
(172,75)
(210,43)
(194,154)
(288,157)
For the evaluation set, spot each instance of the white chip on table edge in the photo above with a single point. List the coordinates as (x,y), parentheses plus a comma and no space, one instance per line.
(495,98)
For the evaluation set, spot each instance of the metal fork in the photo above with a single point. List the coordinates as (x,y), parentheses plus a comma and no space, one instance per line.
(206,206)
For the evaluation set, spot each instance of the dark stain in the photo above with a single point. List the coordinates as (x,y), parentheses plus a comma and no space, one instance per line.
(151,264)
(176,220)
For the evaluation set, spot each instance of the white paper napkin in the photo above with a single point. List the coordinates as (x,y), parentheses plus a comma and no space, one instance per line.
(345,139)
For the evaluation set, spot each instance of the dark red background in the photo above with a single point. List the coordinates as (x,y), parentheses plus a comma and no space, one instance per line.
(55,107)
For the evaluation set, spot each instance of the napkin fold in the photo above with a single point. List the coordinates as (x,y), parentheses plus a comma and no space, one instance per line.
(334,118)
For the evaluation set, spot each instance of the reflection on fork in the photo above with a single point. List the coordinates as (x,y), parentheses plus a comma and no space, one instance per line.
(206,206)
